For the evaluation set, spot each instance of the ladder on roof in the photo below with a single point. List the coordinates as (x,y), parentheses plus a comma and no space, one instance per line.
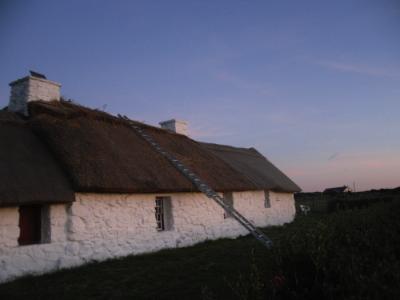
(203,187)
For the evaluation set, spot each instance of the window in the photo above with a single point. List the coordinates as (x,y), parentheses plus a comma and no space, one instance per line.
(228,200)
(267,199)
(34,225)
(163,213)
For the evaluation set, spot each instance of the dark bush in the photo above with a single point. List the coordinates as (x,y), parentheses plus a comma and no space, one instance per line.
(345,255)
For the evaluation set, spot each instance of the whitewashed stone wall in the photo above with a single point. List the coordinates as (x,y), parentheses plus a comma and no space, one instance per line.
(9,230)
(103,226)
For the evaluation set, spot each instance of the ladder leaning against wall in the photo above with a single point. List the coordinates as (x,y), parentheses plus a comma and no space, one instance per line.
(202,186)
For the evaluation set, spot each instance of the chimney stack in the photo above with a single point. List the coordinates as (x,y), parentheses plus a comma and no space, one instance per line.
(176,126)
(32,88)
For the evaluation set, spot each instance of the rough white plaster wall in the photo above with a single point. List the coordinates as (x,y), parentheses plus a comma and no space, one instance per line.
(102,226)
(20,260)
(41,89)
(251,205)
(9,230)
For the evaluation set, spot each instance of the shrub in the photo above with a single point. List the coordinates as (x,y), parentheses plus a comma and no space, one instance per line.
(346,255)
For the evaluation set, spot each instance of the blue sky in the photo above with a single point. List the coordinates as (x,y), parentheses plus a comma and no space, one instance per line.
(313,85)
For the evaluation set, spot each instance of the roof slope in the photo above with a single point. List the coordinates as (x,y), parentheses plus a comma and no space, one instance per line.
(257,169)
(64,144)
(101,153)
(210,168)
(28,172)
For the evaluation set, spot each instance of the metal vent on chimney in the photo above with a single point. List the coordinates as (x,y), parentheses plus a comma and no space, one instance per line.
(37,75)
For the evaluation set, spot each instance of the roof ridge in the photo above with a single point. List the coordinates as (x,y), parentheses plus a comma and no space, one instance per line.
(85,111)
(249,151)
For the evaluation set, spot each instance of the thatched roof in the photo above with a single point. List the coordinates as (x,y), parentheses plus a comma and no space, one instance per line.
(102,153)
(28,172)
(98,152)
(257,169)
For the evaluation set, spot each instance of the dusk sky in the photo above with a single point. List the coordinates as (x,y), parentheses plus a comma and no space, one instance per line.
(313,85)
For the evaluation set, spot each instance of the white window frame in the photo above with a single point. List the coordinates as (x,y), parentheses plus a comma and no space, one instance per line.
(228,200)
(159,213)
(163,213)
(267,199)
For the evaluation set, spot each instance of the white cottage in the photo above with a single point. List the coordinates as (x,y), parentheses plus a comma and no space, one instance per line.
(79,185)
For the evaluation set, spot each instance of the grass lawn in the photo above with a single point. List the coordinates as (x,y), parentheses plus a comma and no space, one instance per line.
(353,255)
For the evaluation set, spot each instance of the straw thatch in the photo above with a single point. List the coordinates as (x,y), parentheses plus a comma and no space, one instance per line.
(64,144)
(252,164)
(28,172)
(102,153)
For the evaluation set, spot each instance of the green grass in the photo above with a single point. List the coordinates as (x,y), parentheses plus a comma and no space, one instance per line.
(352,255)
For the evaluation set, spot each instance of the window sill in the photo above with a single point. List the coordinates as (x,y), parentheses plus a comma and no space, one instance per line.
(34,244)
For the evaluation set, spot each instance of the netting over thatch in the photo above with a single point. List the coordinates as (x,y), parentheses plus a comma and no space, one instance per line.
(28,172)
(252,164)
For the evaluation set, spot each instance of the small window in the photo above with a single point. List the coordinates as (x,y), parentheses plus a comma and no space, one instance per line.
(228,200)
(34,225)
(163,213)
(267,199)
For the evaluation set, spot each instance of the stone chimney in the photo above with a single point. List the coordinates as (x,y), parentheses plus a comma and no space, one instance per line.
(176,126)
(32,88)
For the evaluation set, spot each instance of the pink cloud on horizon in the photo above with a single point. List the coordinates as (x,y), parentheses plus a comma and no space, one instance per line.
(367,170)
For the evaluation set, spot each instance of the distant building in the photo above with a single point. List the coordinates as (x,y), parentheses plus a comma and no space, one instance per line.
(340,189)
